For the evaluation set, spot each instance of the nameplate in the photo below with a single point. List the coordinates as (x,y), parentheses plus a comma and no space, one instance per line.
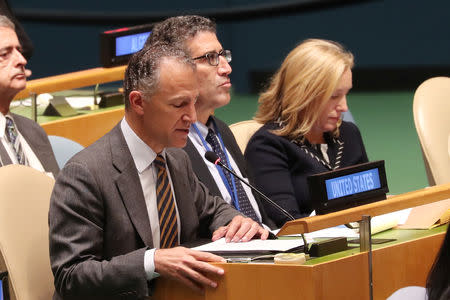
(348,187)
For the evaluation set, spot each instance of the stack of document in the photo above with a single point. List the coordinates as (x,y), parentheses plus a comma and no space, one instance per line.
(252,246)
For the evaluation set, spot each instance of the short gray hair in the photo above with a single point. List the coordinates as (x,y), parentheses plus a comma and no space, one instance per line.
(177,30)
(142,73)
(6,22)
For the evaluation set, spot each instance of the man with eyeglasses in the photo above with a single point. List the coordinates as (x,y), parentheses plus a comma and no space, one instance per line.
(196,35)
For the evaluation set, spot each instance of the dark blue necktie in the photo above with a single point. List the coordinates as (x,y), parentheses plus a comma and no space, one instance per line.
(244,204)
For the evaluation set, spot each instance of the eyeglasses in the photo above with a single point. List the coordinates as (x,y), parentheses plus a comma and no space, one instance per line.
(213,57)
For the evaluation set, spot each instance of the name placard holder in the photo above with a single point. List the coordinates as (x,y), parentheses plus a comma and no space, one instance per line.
(117,46)
(348,187)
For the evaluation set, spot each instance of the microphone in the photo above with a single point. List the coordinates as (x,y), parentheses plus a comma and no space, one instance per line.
(215,159)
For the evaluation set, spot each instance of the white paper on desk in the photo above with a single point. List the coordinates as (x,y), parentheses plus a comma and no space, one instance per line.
(252,245)
(338,231)
(80,101)
(75,102)
(390,220)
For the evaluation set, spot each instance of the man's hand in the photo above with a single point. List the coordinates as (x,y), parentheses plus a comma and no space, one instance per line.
(240,229)
(188,266)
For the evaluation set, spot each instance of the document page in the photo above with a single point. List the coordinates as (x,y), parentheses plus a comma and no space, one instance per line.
(252,245)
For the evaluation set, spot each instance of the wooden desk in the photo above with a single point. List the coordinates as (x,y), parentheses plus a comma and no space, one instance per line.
(71,80)
(343,275)
(394,203)
(338,276)
(84,129)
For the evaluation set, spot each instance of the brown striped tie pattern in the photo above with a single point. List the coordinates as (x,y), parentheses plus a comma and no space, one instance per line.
(166,206)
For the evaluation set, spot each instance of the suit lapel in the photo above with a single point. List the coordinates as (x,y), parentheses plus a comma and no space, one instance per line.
(6,160)
(129,185)
(30,136)
(231,145)
(200,168)
(38,141)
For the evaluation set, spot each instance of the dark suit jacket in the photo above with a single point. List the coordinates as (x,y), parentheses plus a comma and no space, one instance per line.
(283,174)
(203,174)
(38,141)
(99,226)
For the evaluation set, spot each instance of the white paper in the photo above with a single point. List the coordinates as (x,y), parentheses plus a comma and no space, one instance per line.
(338,231)
(389,220)
(75,102)
(81,101)
(403,215)
(252,245)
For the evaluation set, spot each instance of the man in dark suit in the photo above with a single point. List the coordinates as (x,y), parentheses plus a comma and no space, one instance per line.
(197,36)
(21,139)
(119,202)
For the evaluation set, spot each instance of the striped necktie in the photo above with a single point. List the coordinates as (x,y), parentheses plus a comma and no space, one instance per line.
(166,206)
(13,138)
(245,206)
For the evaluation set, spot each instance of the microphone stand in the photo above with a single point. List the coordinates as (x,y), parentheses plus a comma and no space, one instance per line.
(282,210)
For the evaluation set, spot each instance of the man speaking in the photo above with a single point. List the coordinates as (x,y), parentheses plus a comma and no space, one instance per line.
(121,207)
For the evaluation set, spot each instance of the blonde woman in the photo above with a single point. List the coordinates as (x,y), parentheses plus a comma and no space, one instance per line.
(303,133)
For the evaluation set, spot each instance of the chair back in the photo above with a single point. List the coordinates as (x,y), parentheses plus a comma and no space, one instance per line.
(63,148)
(431,110)
(243,131)
(24,244)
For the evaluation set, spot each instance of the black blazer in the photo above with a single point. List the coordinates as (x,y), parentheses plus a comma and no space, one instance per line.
(203,174)
(280,167)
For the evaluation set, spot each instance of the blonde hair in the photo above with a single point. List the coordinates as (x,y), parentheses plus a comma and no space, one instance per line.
(301,87)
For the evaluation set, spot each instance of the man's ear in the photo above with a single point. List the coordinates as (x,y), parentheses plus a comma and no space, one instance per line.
(136,100)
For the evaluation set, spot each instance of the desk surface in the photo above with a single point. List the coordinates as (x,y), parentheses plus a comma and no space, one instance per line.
(85,128)
(25,111)
(400,236)
(342,275)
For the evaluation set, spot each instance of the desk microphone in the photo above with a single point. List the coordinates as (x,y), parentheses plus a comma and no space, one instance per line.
(215,159)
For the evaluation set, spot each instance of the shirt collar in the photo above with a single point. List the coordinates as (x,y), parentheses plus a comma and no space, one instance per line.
(142,154)
(3,123)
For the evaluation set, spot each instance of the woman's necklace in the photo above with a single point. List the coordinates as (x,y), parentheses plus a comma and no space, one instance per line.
(300,141)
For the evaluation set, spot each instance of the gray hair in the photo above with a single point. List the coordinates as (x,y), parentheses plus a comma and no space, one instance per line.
(6,22)
(177,30)
(142,73)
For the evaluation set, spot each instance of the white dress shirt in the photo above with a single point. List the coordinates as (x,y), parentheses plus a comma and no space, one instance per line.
(143,157)
(32,159)
(195,139)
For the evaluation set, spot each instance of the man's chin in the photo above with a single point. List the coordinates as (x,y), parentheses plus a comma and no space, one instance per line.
(222,101)
(179,142)
(19,86)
